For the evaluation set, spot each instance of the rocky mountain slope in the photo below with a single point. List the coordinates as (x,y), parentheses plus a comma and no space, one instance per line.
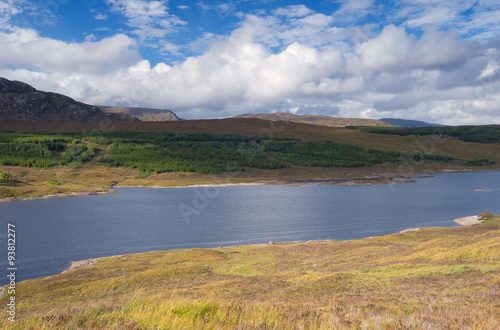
(317,119)
(143,114)
(20,102)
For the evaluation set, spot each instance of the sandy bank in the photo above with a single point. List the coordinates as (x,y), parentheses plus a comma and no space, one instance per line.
(368,181)
(87,262)
(469,221)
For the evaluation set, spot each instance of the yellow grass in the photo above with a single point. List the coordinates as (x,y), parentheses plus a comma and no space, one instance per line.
(437,278)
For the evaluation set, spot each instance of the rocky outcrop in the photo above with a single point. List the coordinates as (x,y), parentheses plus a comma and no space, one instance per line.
(20,102)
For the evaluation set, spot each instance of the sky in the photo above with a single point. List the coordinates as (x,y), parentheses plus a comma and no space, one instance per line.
(431,60)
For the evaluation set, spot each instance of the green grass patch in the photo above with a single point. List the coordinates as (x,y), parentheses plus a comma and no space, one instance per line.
(54,183)
(460,269)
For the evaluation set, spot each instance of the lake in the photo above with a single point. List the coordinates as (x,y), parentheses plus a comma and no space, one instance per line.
(53,232)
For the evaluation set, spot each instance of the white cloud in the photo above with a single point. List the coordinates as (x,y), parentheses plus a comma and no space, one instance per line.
(472,18)
(225,8)
(353,10)
(394,48)
(204,6)
(150,19)
(293,11)
(101,17)
(11,8)
(26,48)
(182,7)
(437,15)
(299,61)
(8,8)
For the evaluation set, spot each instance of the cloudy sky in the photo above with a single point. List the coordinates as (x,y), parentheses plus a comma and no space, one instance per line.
(429,60)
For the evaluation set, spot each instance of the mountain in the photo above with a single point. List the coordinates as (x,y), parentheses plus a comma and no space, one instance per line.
(316,119)
(143,114)
(409,123)
(20,102)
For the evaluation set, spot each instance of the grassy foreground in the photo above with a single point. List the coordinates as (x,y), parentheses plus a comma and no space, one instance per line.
(436,278)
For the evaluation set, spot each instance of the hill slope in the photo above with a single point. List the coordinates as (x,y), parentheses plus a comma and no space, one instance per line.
(409,123)
(143,114)
(20,102)
(316,119)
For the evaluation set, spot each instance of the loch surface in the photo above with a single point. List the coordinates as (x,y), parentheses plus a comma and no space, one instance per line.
(51,233)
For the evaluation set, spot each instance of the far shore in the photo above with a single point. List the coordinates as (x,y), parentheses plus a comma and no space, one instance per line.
(368,181)
(342,182)
(73,194)
(375,179)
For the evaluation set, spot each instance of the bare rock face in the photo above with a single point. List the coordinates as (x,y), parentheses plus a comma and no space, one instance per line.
(7,86)
(19,102)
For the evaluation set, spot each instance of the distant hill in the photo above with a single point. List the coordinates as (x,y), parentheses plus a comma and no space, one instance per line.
(143,114)
(316,119)
(409,123)
(21,103)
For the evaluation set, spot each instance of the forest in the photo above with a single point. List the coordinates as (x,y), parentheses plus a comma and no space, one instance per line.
(158,152)
(480,134)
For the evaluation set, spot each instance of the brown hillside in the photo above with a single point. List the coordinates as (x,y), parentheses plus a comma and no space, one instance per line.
(316,119)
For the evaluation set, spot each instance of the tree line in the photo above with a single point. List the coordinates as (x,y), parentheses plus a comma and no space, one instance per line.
(480,134)
(45,154)
(157,152)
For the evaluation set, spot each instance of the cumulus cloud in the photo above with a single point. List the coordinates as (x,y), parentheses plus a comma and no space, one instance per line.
(26,48)
(395,48)
(293,59)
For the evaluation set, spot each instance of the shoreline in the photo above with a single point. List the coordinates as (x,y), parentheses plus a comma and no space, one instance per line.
(72,194)
(308,182)
(87,262)
(374,179)
(463,222)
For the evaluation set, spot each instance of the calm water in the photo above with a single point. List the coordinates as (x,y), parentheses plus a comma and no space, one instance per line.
(53,232)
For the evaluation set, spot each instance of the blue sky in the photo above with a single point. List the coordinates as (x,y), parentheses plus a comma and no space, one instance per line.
(419,59)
